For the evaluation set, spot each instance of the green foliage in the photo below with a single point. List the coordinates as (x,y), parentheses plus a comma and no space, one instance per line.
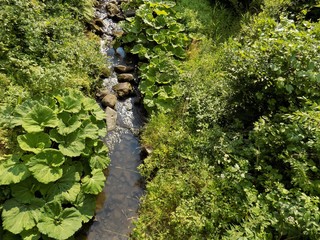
(55,157)
(238,158)
(43,47)
(157,37)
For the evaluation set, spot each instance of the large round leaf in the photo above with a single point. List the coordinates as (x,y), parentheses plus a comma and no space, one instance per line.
(99,162)
(65,188)
(70,103)
(45,166)
(18,216)
(57,223)
(34,142)
(68,123)
(39,118)
(86,205)
(70,145)
(94,184)
(25,190)
(12,170)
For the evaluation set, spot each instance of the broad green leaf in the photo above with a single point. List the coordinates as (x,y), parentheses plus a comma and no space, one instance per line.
(99,161)
(45,166)
(57,223)
(34,142)
(70,145)
(70,103)
(12,170)
(89,130)
(39,118)
(94,184)
(160,12)
(65,188)
(89,104)
(32,234)
(68,123)
(18,216)
(98,113)
(159,38)
(86,205)
(25,190)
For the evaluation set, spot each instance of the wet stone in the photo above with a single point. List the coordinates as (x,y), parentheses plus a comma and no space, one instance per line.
(123,69)
(111,118)
(109,100)
(123,89)
(125,77)
(102,93)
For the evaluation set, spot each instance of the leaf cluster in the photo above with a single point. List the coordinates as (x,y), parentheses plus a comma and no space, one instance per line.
(57,166)
(157,37)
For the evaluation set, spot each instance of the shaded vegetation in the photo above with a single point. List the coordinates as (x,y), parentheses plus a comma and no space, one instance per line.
(238,156)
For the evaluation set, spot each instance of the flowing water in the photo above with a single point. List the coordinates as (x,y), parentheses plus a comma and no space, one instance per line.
(117,205)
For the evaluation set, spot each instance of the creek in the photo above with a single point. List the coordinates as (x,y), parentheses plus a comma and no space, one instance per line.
(117,205)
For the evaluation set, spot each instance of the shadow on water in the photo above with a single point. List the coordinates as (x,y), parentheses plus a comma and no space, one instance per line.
(118,204)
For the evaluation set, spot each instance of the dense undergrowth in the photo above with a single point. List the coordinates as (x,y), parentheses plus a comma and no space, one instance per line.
(51,157)
(236,154)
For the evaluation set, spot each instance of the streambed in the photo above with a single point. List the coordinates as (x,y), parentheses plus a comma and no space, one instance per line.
(117,205)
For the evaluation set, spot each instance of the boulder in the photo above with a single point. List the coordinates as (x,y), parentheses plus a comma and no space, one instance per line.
(109,100)
(111,118)
(123,89)
(112,9)
(123,69)
(125,77)
(102,93)
(118,33)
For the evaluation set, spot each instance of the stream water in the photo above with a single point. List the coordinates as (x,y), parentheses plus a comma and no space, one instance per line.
(117,205)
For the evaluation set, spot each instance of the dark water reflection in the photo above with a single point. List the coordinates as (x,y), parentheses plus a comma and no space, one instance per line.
(118,203)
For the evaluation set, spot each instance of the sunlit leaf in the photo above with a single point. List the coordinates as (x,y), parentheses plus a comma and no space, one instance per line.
(59,223)
(34,142)
(39,118)
(68,123)
(45,166)
(95,183)
(18,216)
(12,170)
(65,188)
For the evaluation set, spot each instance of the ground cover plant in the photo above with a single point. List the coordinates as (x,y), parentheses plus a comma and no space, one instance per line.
(238,157)
(51,155)
(159,40)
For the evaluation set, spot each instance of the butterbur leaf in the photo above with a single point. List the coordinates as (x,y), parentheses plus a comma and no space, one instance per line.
(68,123)
(39,118)
(45,166)
(86,205)
(25,190)
(98,113)
(57,223)
(94,184)
(32,234)
(89,104)
(18,216)
(34,142)
(12,170)
(70,145)
(89,130)
(70,103)
(99,162)
(65,188)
